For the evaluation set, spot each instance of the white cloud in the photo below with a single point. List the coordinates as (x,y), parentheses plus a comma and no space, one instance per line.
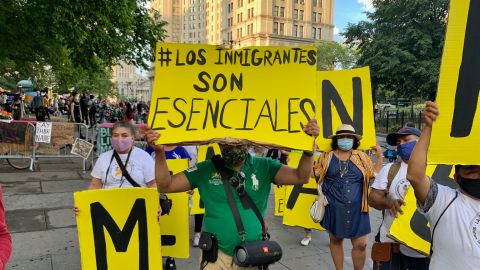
(367,5)
(336,31)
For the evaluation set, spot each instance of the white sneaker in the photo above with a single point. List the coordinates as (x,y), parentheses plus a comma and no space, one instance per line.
(196,239)
(305,241)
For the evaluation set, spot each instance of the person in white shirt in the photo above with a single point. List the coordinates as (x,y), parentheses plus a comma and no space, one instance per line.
(140,166)
(387,194)
(454,215)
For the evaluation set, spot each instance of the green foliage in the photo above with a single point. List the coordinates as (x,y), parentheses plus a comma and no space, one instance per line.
(72,43)
(332,54)
(402,43)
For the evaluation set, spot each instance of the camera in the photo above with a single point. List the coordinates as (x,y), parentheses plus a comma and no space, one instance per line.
(258,253)
(166,204)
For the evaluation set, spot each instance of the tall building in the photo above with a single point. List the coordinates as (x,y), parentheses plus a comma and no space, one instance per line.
(240,23)
(129,83)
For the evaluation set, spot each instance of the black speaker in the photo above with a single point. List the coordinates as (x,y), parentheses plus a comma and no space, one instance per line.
(258,253)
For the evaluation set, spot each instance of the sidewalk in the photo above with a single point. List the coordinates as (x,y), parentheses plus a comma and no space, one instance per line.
(43,227)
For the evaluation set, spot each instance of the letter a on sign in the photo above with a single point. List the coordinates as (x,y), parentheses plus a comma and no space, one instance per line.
(457,130)
(118,229)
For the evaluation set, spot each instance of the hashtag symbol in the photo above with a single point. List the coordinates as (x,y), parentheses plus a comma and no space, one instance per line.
(164,56)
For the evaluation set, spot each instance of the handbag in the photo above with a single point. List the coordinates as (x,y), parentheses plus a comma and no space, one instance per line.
(317,210)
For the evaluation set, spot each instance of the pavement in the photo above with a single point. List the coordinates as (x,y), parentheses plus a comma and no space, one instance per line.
(38,213)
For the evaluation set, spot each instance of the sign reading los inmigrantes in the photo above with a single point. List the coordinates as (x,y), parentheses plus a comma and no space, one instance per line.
(203,92)
(264,95)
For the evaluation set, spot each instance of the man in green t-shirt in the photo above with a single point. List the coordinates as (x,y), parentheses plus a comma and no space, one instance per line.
(259,174)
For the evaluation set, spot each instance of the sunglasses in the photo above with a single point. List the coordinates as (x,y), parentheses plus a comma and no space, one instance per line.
(238,182)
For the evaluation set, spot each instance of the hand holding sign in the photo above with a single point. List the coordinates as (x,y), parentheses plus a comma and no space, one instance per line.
(151,137)
(311,128)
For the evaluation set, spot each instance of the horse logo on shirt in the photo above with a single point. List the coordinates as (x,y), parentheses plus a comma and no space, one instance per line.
(255,182)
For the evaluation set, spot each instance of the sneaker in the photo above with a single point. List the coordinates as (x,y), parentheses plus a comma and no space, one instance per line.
(170,264)
(196,239)
(305,241)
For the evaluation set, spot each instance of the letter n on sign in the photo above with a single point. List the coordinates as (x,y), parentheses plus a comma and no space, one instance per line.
(118,229)
(456,131)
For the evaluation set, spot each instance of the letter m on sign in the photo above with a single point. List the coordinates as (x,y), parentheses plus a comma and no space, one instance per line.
(121,238)
(330,96)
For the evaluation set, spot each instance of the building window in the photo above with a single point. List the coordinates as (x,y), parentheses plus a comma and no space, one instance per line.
(295,30)
(300,31)
(240,3)
(250,29)
(313,32)
(282,28)
(319,17)
(275,27)
(295,14)
(275,11)
(282,12)
(314,16)
(300,15)
(319,33)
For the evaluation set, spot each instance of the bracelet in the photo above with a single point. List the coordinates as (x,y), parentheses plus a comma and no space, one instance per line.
(308,153)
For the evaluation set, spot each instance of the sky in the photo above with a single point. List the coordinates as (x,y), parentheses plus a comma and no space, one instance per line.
(349,11)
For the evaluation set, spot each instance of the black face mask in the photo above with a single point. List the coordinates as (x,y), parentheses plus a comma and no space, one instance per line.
(470,186)
(234,155)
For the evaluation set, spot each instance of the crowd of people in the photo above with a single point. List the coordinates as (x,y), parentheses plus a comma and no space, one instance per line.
(350,180)
(74,107)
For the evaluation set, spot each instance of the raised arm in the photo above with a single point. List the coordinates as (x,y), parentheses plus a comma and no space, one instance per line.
(300,175)
(166,183)
(417,164)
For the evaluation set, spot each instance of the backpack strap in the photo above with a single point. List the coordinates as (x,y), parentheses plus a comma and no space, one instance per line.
(436,223)
(392,172)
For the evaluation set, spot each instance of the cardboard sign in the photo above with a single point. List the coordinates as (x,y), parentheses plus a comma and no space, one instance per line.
(12,132)
(279,192)
(345,98)
(299,199)
(61,135)
(203,94)
(118,228)
(205,152)
(175,225)
(412,228)
(43,132)
(456,132)
(82,148)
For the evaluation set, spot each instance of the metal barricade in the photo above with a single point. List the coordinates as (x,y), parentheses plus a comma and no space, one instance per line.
(62,140)
(17,144)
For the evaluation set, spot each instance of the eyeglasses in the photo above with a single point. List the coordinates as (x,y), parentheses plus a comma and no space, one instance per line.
(238,182)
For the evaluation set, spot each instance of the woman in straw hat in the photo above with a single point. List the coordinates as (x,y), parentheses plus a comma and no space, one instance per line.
(344,174)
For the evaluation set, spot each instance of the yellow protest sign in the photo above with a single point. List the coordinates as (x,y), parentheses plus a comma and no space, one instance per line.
(205,152)
(412,228)
(175,225)
(118,228)
(260,94)
(455,133)
(279,192)
(299,199)
(345,97)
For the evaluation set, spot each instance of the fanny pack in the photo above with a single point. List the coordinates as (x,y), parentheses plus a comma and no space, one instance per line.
(259,253)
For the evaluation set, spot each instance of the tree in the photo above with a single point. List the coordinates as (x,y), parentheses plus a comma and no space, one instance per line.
(402,43)
(47,39)
(332,54)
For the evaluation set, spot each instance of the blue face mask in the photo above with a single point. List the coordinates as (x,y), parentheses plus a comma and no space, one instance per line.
(405,150)
(345,144)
